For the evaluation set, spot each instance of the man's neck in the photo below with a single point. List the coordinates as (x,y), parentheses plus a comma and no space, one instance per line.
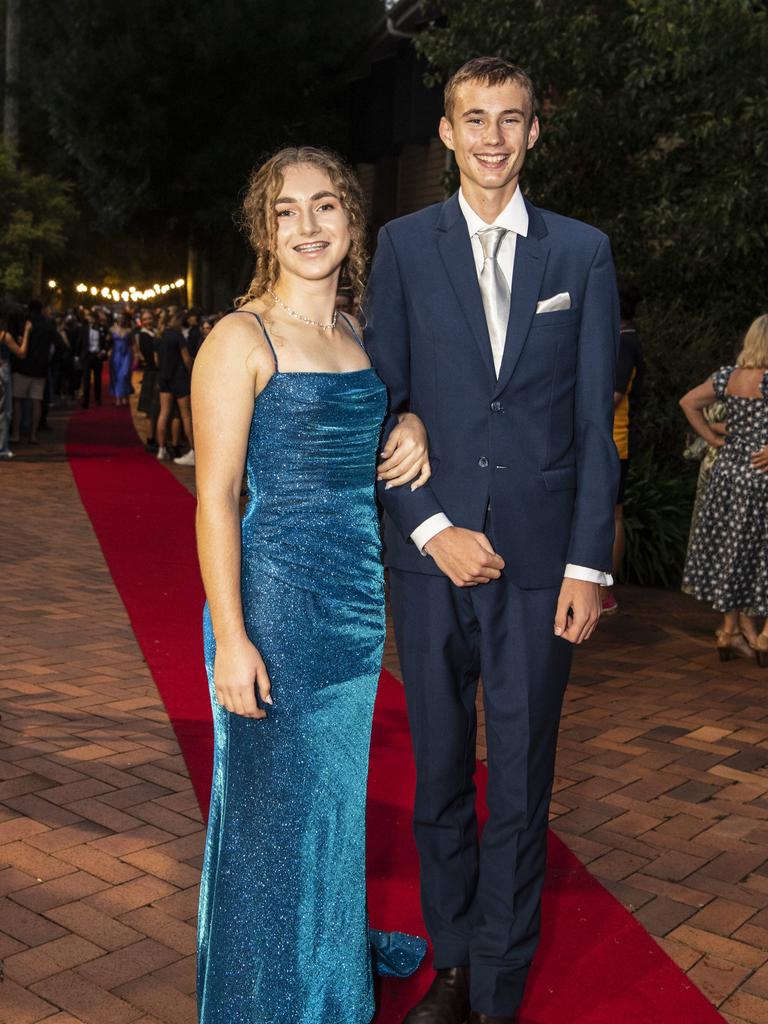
(489,203)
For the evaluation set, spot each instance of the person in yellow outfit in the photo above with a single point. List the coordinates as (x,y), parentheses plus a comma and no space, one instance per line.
(629,374)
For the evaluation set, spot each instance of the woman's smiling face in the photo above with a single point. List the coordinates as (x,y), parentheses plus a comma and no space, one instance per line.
(312,228)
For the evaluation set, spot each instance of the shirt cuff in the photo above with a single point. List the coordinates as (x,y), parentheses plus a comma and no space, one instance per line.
(581,572)
(430,528)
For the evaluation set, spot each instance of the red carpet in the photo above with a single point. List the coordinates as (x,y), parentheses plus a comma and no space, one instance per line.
(596,965)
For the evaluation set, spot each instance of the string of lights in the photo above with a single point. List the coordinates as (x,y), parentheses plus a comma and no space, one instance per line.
(131,293)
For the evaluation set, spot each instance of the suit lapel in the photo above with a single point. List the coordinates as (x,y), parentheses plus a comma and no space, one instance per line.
(455,249)
(531,254)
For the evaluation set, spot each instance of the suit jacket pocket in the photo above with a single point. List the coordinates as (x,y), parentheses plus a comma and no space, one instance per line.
(563,478)
(557,318)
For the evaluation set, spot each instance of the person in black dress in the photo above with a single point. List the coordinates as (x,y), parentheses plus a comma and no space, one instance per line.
(174,367)
(149,395)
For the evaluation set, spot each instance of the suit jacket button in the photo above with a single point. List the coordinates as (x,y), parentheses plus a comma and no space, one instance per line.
(496,407)
(483,462)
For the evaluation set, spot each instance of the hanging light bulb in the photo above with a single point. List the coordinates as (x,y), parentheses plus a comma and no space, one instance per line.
(131,292)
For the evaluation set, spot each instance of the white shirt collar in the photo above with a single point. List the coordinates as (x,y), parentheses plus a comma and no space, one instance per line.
(514,216)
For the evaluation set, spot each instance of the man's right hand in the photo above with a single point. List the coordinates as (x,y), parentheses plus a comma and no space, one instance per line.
(465,556)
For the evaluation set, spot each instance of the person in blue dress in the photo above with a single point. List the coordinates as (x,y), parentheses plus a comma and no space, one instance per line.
(294,623)
(121,360)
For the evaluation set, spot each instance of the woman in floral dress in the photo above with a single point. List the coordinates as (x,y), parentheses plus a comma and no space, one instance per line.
(727,563)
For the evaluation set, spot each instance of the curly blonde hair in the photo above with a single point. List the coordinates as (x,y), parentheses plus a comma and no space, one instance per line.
(259,219)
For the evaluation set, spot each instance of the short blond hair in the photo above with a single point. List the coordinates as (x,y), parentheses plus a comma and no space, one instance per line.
(490,71)
(754,351)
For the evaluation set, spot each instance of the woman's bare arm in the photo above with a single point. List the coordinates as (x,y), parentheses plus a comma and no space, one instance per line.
(224,382)
(693,405)
(19,350)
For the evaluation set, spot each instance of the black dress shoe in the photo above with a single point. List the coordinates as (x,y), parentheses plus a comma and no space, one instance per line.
(483,1018)
(447,1001)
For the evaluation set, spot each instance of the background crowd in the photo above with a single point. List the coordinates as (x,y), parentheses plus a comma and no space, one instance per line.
(51,358)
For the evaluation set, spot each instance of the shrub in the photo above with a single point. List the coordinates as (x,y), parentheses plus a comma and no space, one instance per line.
(657,519)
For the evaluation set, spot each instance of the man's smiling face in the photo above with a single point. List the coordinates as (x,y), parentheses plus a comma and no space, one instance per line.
(490,131)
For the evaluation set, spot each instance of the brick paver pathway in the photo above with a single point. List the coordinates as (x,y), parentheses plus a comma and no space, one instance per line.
(100,834)
(661,784)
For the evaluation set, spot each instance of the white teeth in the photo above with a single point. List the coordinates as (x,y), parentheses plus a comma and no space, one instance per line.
(492,159)
(312,247)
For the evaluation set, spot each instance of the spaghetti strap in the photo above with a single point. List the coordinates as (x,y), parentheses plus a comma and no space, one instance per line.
(350,325)
(265,332)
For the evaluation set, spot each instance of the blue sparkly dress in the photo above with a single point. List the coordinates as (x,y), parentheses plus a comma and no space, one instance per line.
(283,933)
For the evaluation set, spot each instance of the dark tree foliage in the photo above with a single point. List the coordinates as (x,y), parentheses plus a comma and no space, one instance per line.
(35,215)
(655,128)
(159,108)
(655,118)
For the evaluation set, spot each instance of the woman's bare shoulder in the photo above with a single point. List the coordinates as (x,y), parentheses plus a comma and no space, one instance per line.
(237,335)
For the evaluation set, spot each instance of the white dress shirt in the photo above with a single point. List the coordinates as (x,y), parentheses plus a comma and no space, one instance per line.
(514,217)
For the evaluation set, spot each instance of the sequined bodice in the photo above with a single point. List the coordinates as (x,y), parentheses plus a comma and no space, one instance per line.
(311,467)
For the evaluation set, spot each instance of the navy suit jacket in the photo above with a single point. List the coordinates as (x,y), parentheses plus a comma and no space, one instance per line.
(537,443)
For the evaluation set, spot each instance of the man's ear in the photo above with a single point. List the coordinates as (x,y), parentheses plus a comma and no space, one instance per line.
(533,133)
(445,131)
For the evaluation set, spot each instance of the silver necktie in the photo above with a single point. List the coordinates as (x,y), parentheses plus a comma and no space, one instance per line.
(495,292)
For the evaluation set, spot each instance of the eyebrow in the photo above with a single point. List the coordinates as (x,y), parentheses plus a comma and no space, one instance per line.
(312,199)
(512,110)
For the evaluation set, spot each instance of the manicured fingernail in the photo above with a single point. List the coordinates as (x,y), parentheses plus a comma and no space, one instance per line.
(387,486)
(558,631)
(268,700)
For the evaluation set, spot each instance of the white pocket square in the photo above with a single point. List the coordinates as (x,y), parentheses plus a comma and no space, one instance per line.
(559,301)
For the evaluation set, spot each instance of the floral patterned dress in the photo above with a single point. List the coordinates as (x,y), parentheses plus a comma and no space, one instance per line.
(727,563)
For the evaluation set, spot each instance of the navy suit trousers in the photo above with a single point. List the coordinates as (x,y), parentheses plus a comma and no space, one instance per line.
(481,899)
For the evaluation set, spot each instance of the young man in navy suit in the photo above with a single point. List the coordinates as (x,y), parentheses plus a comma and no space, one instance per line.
(497,323)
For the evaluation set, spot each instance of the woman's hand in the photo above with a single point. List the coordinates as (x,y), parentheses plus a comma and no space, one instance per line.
(760,459)
(238,671)
(405,457)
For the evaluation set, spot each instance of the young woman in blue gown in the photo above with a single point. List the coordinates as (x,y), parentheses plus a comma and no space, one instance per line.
(121,360)
(294,623)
